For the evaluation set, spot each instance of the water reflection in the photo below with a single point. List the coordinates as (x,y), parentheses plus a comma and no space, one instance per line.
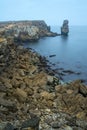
(64,38)
(68,50)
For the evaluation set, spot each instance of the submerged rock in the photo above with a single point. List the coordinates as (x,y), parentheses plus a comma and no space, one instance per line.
(65,28)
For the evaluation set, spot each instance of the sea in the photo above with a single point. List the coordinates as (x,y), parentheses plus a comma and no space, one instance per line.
(67,56)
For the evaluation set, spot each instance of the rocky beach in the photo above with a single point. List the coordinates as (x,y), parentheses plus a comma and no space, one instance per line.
(31,97)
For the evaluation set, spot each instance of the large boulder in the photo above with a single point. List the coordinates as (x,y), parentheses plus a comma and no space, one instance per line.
(65,28)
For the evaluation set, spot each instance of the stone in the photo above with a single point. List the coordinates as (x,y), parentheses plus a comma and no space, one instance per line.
(6,126)
(56,124)
(82,124)
(20,94)
(83,90)
(35,112)
(65,28)
(81,115)
(8,104)
(47,95)
(50,79)
(32,124)
(3,41)
(68,128)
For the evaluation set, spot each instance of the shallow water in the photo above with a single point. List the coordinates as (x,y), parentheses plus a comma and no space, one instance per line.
(71,52)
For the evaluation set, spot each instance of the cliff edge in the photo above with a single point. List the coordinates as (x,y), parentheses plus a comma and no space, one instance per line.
(25,31)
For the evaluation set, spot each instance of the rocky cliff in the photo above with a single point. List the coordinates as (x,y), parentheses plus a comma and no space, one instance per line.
(24,31)
(65,28)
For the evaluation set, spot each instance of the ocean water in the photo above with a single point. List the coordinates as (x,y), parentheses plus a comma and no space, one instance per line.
(70,60)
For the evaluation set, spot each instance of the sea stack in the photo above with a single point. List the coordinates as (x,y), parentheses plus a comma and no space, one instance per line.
(65,28)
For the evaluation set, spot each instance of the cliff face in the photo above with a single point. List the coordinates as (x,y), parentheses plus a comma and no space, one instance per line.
(65,28)
(25,30)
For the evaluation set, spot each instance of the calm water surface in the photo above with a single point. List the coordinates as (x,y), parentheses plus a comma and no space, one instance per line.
(71,52)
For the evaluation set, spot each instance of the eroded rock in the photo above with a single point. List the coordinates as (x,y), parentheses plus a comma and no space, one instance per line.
(65,28)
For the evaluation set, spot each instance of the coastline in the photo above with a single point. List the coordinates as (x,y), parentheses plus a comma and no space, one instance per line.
(32,98)
(26,88)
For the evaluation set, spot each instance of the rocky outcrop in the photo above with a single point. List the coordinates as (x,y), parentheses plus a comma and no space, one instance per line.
(24,31)
(65,28)
(31,99)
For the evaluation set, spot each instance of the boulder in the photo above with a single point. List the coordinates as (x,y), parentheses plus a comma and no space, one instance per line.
(65,28)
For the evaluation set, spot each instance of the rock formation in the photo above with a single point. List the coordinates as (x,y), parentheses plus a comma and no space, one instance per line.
(32,99)
(65,28)
(25,31)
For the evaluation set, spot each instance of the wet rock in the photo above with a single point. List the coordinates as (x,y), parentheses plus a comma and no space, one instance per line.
(68,71)
(52,55)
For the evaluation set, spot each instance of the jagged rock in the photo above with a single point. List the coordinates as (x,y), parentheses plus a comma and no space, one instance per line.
(83,90)
(24,31)
(3,41)
(25,91)
(31,124)
(8,104)
(20,94)
(65,28)
(6,126)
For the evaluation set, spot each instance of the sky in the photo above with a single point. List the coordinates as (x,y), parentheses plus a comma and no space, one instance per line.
(53,12)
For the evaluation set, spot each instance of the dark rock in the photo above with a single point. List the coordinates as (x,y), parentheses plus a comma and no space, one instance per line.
(65,28)
(9,126)
(6,126)
(52,55)
(56,124)
(3,88)
(33,123)
(82,124)
(83,90)
(8,104)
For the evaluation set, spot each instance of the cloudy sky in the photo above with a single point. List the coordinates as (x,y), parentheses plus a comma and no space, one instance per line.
(52,11)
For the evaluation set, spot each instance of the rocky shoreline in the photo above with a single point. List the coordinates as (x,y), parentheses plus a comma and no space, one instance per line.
(24,31)
(31,97)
